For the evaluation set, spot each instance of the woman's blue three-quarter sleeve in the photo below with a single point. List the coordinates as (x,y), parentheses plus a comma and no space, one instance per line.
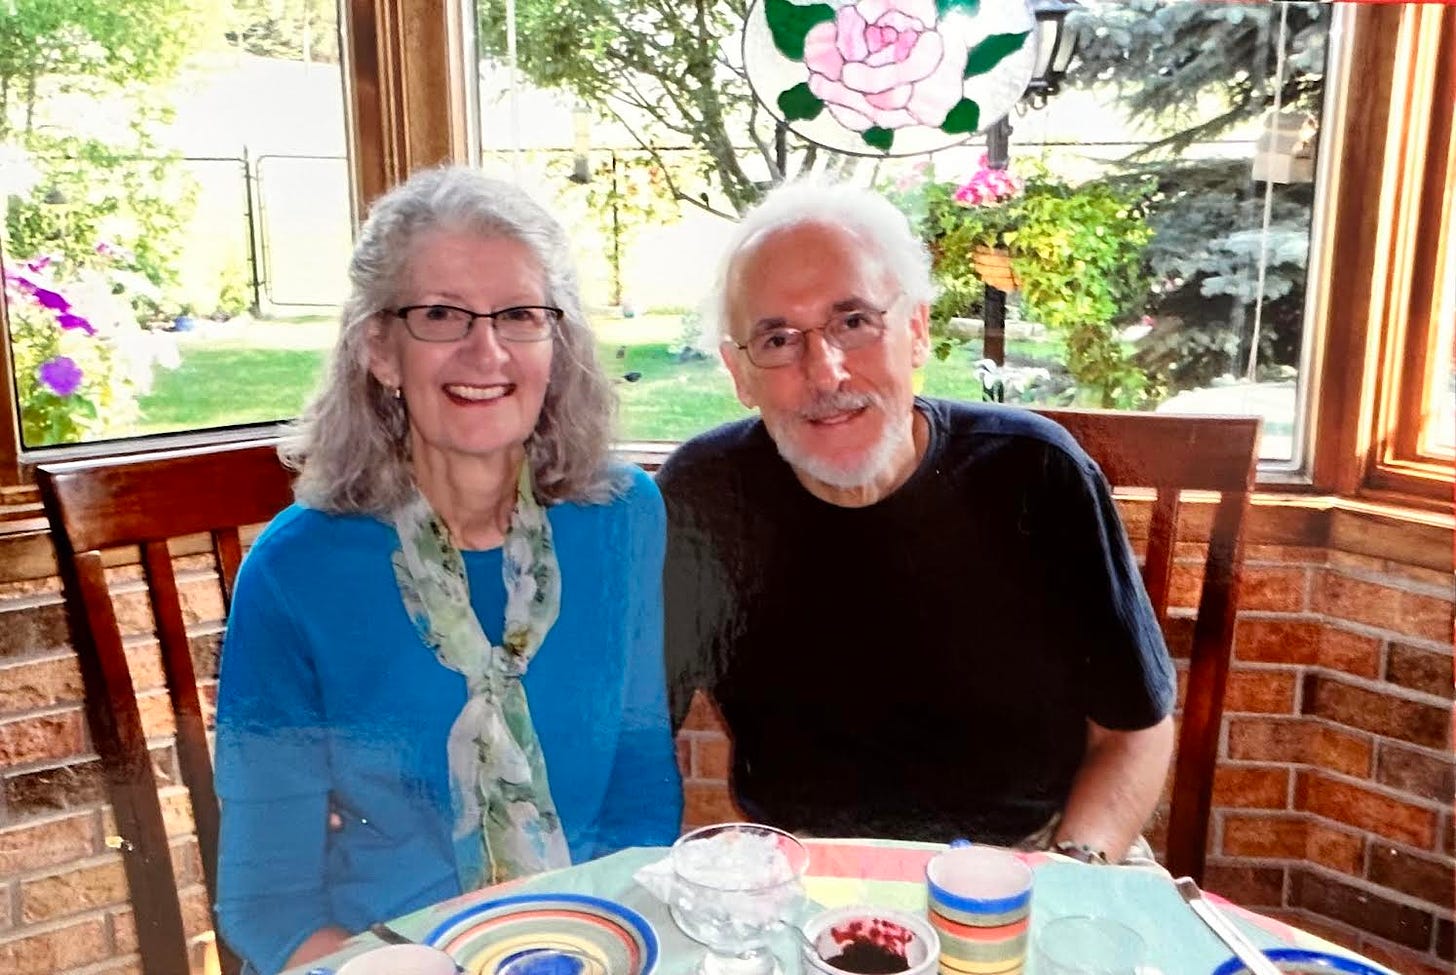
(329,702)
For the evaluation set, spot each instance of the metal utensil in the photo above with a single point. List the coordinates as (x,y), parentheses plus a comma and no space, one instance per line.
(1225,929)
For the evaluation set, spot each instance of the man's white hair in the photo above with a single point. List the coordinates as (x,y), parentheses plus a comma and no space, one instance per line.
(864,214)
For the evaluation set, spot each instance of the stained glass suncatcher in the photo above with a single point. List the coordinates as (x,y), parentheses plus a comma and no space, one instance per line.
(889,77)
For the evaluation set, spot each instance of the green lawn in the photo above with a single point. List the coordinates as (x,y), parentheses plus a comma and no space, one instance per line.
(265,371)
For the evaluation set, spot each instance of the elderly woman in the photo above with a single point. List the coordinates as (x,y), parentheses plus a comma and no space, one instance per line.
(460,546)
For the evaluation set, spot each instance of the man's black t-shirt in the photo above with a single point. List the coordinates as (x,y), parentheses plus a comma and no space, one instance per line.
(921,667)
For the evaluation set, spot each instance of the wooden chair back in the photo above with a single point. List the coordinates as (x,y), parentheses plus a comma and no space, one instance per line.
(144,501)
(1172,454)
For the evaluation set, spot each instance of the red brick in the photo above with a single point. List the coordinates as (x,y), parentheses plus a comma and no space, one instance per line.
(1323,894)
(1366,809)
(711,756)
(1178,634)
(703,715)
(47,844)
(708,802)
(1412,614)
(1419,669)
(1185,585)
(1245,885)
(1264,836)
(40,684)
(54,789)
(78,889)
(1349,652)
(1419,773)
(1336,848)
(1276,588)
(1268,739)
(1260,691)
(63,948)
(33,627)
(1383,714)
(176,811)
(1263,788)
(1402,960)
(1343,751)
(41,739)
(155,709)
(1428,878)
(1278,641)
(684,756)
(1295,554)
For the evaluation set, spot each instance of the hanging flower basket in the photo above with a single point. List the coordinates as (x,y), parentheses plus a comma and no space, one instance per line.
(993,266)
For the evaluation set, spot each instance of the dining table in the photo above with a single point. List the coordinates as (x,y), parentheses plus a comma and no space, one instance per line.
(891,874)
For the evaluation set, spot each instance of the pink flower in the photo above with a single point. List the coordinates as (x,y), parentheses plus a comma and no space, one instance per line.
(882,63)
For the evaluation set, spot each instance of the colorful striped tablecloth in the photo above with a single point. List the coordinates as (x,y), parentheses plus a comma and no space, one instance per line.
(890,873)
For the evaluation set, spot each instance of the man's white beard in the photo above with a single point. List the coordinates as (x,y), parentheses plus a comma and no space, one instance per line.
(854,473)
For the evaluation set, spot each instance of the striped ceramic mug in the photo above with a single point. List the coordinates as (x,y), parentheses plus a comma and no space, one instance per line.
(980,905)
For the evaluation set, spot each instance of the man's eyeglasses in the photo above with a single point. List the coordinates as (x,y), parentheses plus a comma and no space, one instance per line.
(845,330)
(446,323)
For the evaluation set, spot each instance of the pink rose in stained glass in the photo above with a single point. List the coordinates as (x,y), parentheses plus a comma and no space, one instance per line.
(883,64)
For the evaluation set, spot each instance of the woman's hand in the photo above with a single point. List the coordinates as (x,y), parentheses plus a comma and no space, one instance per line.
(325,941)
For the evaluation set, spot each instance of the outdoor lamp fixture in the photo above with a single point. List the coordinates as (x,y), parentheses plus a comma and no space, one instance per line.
(1056,45)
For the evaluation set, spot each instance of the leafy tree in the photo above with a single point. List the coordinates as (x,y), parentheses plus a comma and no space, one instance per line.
(299,30)
(1194,72)
(667,70)
(89,46)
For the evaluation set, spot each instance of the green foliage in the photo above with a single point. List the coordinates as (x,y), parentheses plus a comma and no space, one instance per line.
(115,358)
(305,30)
(663,70)
(89,192)
(1078,253)
(1193,72)
(90,46)
(1197,70)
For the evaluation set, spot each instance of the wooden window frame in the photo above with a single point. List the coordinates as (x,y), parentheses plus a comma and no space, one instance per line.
(1393,199)
(410,104)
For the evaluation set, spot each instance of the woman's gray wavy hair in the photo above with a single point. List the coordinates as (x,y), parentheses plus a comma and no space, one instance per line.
(863,213)
(351,445)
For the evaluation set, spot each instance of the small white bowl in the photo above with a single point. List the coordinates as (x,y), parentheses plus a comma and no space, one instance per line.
(400,960)
(921,948)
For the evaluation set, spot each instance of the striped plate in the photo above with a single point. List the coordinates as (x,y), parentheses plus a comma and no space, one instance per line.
(484,935)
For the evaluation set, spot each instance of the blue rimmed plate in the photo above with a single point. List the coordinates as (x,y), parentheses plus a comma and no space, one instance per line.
(484,935)
(1302,960)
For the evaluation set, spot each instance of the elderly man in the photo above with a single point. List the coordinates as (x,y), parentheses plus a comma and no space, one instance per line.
(919,618)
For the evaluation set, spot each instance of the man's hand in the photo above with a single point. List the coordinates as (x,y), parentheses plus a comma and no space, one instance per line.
(1117,786)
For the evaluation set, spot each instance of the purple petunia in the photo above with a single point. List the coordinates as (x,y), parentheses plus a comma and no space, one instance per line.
(61,374)
(67,320)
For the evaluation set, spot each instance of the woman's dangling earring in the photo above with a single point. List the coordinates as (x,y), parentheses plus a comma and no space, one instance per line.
(398,393)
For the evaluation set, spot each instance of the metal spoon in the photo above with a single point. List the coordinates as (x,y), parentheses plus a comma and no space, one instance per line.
(1243,949)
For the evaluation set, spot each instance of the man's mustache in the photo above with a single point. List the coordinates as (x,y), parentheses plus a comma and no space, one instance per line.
(829,404)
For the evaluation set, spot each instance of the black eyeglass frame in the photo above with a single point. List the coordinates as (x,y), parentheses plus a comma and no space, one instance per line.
(554,317)
(882,327)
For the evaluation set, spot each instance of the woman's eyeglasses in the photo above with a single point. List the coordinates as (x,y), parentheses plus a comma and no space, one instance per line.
(447,323)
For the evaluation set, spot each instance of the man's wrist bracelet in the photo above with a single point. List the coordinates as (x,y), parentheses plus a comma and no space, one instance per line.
(1081,851)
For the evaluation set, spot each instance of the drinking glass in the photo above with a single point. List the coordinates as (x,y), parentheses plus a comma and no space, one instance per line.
(734,884)
(1088,946)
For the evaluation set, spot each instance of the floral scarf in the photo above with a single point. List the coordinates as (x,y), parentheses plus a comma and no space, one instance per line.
(505,820)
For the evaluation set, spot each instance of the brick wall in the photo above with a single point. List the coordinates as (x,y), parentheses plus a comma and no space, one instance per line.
(1333,799)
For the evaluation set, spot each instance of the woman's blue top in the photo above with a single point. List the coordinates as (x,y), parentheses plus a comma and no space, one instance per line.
(329,702)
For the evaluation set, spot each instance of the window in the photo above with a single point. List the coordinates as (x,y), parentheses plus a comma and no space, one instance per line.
(1385,425)
(639,127)
(177,222)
